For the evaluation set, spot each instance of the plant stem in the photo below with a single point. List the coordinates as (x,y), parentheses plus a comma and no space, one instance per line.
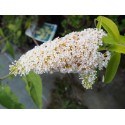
(35,42)
(4,39)
(4,77)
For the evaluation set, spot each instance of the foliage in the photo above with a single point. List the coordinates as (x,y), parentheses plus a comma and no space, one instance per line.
(79,22)
(8,99)
(34,87)
(115,43)
(112,67)
(9,48)
(109,26)
(76,23)
(13,28)
(119,21)
(12,31)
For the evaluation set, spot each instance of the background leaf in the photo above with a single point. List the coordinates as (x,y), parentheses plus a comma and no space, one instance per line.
(12,27)
(112,67)
(34,87)
(18,33)
(9,48)
(8,99)
(109,26)
(1,32)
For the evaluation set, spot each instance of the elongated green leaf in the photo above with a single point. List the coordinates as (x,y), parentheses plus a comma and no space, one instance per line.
(34,87)
(8,99)
(9,48)
(108,40)
(122,40)
(109,26)
(115,46)
(112,67)
(99,24)
(1,32)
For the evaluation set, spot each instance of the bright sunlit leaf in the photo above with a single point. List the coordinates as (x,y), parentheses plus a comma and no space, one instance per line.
(109,26)
(112,67)
(115,46)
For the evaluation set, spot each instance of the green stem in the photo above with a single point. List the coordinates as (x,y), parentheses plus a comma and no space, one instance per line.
(102,48)
(4,77)
(99,24)
(1,41)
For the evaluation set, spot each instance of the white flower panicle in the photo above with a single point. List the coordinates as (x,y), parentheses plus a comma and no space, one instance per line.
(88,78)
(76,52)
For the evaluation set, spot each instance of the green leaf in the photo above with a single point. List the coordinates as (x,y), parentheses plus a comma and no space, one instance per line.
(8,99)
(34,87)
(109,26)
(122,40)
(12,27)
(9,48)
(28,24)
(19,33)
(1,32)
(113,46)
(99,24)
(117,48)
(112,67)
(108,40)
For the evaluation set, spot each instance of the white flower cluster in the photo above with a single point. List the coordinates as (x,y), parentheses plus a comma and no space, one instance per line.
(76,52)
